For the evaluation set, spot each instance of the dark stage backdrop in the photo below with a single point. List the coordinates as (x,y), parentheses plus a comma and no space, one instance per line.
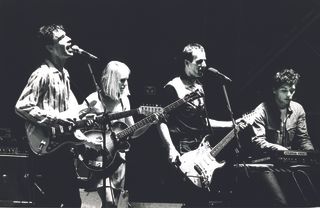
(248,40)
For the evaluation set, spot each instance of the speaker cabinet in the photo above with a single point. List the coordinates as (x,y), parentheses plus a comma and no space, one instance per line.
(15,187)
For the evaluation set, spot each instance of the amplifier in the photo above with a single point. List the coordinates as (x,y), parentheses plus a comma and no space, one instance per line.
(15,185)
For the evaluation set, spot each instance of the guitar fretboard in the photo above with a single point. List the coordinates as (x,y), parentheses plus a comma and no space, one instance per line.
(216,149)
(100,119)
(126,132)
(114,116)
(248,118)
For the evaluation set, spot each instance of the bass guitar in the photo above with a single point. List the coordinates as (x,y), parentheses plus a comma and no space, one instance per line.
(44,140)
(116,137)
(199,165)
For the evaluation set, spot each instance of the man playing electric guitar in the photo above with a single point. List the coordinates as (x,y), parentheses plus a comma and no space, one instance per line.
(186,126)
(46,101)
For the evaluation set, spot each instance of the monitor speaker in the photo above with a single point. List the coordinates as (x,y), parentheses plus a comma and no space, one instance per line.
(15,185)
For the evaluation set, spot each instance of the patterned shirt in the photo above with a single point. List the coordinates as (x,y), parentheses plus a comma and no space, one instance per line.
(46,95)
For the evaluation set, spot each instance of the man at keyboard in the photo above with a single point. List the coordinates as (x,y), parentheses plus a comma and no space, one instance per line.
(281,122)
(280,125)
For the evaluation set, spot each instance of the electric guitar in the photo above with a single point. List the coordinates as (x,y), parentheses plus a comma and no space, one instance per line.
(116,137)
(44,140)
(199,165)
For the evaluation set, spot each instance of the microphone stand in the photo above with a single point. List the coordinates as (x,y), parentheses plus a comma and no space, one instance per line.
(104,129)
(238,148)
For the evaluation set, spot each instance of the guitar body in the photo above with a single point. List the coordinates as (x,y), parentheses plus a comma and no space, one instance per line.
(116,137)
(199,165)
(103,159)
(42,142)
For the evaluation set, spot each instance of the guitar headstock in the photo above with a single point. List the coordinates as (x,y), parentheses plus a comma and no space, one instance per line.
(193,95)
(148,110)
(248,118)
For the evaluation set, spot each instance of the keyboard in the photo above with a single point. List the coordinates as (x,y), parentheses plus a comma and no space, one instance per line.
(289,157)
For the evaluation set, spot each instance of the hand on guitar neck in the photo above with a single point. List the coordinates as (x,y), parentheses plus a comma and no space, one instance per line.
(199,165)
(244,121)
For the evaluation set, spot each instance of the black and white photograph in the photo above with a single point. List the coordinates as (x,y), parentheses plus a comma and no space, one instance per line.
(151,104)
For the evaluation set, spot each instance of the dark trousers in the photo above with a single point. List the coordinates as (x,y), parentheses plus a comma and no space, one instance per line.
(277,186)
(56,179)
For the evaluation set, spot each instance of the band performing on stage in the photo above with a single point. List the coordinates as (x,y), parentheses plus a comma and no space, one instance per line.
(173,152)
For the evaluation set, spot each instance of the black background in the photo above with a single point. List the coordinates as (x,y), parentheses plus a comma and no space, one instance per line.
(248,40)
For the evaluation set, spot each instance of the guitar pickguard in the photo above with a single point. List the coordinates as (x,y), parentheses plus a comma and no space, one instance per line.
(199,165)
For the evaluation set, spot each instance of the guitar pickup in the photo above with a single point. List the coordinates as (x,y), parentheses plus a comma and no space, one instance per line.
(95,163)
(61,129)
(53,132)
(198,169)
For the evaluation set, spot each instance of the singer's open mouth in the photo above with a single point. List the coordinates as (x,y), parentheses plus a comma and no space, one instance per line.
(201,70)
(69,48)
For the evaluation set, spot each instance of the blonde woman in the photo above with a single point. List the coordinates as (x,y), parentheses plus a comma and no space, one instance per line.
(112,99)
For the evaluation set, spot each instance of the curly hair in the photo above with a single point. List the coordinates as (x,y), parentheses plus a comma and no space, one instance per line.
(286,76)
(45,33)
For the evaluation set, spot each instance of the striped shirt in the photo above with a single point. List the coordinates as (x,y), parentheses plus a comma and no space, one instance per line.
(46,94)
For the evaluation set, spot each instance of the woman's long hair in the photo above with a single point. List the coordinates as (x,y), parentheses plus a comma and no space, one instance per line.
(110,79)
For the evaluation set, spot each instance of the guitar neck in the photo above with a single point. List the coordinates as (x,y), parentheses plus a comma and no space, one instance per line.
(105,117)
(126,132)
(174,105)
(216,149)
(114,116)
(247,118)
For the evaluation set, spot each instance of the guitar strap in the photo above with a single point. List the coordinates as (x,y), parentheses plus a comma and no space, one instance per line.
(122,106)
(207,115)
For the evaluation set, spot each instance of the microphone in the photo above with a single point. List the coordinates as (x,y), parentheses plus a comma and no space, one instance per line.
(215,71)
(80,51)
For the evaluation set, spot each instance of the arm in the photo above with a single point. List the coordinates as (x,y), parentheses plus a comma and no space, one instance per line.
(34,103)
(167,141)
(27,104)
(302,135)
(220,124)
(168,95)
(227,124)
